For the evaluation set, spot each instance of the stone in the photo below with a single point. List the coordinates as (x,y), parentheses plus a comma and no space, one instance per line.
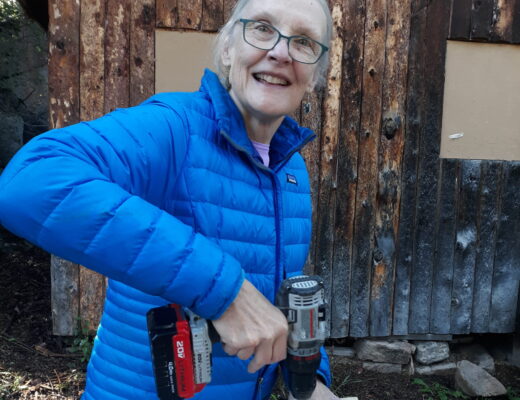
(478,355)
(476,382)
(11,136)
(394,352)
(348,352)
(442,368)
(431,352)
(384,368)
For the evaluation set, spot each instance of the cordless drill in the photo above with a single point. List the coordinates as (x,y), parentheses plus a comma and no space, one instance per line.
(181,342)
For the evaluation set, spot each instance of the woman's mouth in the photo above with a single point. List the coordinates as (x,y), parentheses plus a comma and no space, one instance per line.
(273,80)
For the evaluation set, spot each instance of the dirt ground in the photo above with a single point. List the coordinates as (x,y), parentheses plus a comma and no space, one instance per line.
(34,364)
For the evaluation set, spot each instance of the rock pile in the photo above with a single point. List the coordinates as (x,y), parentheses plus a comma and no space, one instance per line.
(471,364)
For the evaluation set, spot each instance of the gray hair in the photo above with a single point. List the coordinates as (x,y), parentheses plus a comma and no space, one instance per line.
(225,34)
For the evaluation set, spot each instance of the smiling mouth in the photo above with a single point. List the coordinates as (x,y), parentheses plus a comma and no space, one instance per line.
(273,80)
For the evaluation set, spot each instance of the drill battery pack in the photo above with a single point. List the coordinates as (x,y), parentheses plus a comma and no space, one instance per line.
(181,351)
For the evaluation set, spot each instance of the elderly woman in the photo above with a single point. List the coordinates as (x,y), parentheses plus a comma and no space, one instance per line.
(199,199)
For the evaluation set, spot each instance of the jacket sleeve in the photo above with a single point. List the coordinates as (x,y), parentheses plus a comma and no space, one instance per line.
(92,193)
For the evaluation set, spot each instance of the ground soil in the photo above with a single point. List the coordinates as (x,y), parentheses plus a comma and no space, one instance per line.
(34,364)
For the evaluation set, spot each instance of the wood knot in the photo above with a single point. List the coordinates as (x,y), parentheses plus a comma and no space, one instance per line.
(372,71)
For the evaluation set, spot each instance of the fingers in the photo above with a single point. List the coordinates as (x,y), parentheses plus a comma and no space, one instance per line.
(263,356)
(246,353)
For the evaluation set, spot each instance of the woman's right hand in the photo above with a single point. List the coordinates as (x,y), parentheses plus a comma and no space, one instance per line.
(252,325)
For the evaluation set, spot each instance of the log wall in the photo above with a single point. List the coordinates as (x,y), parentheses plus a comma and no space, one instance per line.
(407,242)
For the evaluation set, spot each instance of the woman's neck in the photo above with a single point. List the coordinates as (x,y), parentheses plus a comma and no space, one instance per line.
(261,131)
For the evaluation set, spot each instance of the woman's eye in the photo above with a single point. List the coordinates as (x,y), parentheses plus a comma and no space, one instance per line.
(304,42)
(263,28)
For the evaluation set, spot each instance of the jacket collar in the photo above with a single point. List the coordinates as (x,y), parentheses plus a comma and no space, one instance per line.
(288,139)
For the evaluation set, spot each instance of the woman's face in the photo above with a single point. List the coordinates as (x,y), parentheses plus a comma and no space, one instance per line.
(267,85)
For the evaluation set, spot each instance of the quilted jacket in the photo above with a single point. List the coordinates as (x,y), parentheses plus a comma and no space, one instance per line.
(172,203)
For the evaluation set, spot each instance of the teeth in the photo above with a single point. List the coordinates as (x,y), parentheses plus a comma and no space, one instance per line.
(272,79)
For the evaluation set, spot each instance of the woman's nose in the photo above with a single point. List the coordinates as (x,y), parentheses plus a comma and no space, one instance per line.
(280,52)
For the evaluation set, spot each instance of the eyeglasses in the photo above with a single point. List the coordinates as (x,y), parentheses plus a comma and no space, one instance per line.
(265,37)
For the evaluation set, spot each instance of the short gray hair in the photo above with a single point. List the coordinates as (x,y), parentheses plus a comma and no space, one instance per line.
(226,30)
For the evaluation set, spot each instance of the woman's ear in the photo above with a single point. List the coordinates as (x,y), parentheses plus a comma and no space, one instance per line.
(226,56)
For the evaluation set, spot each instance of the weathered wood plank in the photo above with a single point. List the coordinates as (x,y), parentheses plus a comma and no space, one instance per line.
(311,117)
(413,131)
(389,169)
(92,57)
(64,295)
(328,158)
(167,13)
(428,167)
(350,120)
(117,46)
(64,109)
(363,257)
(228,8)
(465,249)
(516,22)
(92,85)
(487,222)
(445,247)
(189,14)
(502,27)
(506,273)
(481,19)
(63,63)
(460,19)
(142,51)
(212,15)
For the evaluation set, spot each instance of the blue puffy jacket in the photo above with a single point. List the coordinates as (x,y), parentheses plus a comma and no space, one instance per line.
(171,201)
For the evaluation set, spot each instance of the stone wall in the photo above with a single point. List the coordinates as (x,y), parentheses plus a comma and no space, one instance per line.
(23,80)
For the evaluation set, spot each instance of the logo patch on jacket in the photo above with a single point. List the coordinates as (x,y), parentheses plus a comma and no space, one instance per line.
(292,179)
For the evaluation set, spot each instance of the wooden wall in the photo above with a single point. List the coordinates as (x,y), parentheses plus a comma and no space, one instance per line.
(408,243)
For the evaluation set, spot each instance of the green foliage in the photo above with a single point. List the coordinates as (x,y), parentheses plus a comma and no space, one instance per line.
(512,394)
(436,391)
(83,342)
(11,15)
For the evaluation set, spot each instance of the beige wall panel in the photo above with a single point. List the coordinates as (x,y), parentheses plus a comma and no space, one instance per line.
(180,59)
(481,114)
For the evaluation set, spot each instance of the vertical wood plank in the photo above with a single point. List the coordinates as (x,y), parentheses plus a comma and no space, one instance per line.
(64,18)
(167,13)
(117,42)
(460,19)
(228,8)
(212,15)
(328,158)
(363,243)
(502,26)
(142,51)
(413,130)
(351,89)
(189,14)
(465,249)
(445,247)
(428,167)
(506,273)
(481,19)
(389,169)
(311,117)
(516,22)
(487,222)
(64,295)
(92,85)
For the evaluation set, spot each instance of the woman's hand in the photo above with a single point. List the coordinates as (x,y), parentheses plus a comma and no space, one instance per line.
(321,392)
(252,325)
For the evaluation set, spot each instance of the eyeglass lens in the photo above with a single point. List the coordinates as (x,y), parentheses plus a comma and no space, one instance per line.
(264,36)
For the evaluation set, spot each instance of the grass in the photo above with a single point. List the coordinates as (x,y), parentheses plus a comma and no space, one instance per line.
(436,391)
